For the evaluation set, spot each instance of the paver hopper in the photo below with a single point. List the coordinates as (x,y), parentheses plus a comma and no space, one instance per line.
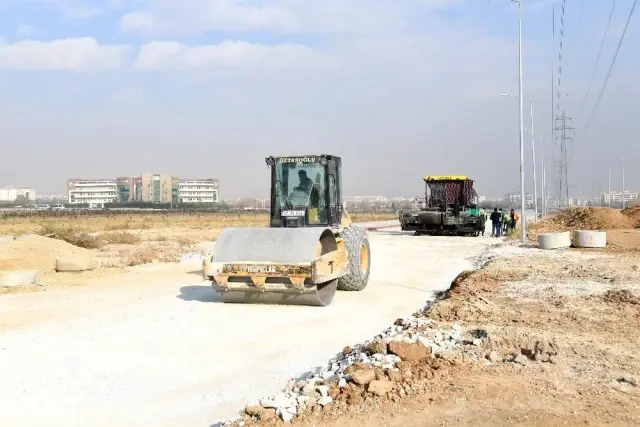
(310,250)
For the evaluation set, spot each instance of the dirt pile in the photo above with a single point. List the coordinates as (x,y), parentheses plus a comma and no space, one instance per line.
(581,218)
(633,213)
(591,218)
(37,253)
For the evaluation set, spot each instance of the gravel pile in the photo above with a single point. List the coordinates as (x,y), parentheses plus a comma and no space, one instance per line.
(374,368)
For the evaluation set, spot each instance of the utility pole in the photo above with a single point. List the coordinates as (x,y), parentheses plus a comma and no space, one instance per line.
(563,127)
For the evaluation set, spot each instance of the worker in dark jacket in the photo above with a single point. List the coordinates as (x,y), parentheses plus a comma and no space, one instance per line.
(496,225)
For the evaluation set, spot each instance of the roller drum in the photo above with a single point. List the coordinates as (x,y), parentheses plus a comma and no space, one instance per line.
(273,266)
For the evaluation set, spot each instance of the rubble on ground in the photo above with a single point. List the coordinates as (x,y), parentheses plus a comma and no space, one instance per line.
(409,349)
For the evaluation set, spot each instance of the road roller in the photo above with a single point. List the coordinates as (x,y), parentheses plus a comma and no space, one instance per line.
(310,249)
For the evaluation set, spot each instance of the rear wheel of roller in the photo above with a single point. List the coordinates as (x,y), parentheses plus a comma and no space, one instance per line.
(357,244)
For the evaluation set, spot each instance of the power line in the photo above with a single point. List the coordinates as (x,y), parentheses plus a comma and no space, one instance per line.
(595,68)
(613,61)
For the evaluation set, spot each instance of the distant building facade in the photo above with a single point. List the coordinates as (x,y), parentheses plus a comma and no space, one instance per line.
(155,188)
(198,190)
(514,199)
(126,189)
(92,191)
(20,194)
(145,188)
(616,197)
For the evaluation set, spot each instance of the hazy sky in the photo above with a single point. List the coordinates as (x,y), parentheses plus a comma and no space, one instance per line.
(398,88)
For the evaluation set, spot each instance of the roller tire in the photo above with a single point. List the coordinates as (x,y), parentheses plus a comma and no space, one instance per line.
(354,237)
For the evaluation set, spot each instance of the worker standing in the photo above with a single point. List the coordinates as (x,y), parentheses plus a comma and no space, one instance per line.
(503,221)
(514,218)
(496,223)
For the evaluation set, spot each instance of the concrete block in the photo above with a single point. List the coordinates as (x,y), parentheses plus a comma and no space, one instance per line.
(74,264)
(589,239)
(18,277)
(554,240)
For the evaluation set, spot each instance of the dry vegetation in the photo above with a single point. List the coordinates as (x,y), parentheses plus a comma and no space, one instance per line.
(119,222)
(556,344)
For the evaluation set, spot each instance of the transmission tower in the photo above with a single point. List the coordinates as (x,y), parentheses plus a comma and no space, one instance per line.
(562,128)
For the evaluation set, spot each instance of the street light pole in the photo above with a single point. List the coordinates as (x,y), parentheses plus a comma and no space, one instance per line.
(533,152)
(609,195)
(623,200)
(523,228)
(544,184)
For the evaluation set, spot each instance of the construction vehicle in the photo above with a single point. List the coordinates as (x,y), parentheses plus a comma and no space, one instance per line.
(310,250)
(451,208)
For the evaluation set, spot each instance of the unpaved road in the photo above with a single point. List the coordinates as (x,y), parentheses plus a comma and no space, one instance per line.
(157,349)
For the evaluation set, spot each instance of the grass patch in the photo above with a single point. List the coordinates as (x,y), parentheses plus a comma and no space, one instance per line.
(149,255)
(121,238)
(110,222)
(70,235)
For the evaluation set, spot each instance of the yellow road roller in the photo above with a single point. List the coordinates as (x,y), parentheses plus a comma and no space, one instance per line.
(310,249)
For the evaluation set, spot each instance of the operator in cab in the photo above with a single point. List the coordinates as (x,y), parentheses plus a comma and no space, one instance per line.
(306,184)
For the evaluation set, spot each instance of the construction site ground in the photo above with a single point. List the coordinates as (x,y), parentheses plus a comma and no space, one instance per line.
(558,346)
(533,337)
(156,339)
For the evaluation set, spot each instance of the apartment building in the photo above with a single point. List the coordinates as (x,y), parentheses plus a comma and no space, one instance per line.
(11,194)
(92,191)
(198,190)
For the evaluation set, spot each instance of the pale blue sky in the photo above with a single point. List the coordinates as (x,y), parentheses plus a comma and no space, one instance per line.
(398,88)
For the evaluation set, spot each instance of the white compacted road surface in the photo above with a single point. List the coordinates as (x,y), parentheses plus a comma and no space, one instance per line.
(157,349)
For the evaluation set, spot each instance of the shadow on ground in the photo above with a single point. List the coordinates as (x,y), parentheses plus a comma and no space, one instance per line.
(201,293)
(196,272)
(394,232)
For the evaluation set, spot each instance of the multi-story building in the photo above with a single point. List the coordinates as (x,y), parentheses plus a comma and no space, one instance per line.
(616,197)
(198,190)
(92,191)
(155,188)
(125,189)
(11,194)
(418,203)
(514,199)
(146,188)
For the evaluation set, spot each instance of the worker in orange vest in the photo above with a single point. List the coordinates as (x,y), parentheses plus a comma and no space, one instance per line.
(514,219)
